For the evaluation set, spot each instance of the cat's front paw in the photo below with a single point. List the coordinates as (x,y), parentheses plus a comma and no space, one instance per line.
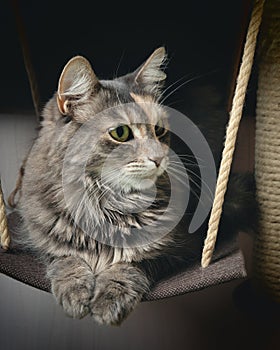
(117,292)
(113,304)
(74,298)
(72,285)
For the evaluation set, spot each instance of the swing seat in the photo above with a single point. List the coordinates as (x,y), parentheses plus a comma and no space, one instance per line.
(227,265)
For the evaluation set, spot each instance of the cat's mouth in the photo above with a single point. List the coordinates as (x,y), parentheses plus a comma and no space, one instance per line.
(140,181)
(132,177)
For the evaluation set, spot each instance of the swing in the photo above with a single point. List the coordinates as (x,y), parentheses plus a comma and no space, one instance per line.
(226,263)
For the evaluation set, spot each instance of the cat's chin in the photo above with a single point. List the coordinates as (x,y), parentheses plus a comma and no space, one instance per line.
(139,184)
(145,184)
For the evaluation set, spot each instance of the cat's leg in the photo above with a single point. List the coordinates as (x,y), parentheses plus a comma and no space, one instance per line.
(118,290)
(72,284)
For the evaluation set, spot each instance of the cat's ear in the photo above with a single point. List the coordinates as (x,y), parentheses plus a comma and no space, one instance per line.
(76,83)
(150,75)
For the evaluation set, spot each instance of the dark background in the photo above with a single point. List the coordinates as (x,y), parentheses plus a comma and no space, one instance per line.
(201,38)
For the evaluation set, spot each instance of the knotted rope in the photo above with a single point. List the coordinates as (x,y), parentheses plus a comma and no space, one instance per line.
(232,129)
(266,263)
(4,233)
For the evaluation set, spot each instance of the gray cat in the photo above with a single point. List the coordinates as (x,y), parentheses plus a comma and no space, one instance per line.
(95,193)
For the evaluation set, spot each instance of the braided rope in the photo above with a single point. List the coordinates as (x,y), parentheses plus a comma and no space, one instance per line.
(4,233)
(266,261)
(232,129)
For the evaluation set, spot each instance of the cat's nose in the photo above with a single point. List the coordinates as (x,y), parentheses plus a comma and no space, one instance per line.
(156,160)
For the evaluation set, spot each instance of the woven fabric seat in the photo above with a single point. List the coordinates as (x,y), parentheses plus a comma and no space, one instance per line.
(227,265)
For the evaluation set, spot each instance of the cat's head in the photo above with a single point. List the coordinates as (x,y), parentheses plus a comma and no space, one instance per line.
(128,123)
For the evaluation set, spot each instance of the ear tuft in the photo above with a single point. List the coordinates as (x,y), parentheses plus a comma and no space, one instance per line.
(150,75)
(76,83)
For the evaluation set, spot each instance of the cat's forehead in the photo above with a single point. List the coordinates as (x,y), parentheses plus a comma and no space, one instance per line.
(125,106)
(143,110)
(145,106)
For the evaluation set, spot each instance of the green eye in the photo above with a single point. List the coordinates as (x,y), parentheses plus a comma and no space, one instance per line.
(159,129)
(122,133)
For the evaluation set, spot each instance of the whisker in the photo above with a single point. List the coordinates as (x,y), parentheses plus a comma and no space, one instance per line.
(175,82)
(188,81)
(190,188)
(181,85)
(210,194)
(119,64)
(191,156)
(184,164)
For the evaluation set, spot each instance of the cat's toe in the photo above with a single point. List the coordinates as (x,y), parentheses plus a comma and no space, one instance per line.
(112,312)
(75,300)
(72,284)
(76,303)
(112,305)
(118,290)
